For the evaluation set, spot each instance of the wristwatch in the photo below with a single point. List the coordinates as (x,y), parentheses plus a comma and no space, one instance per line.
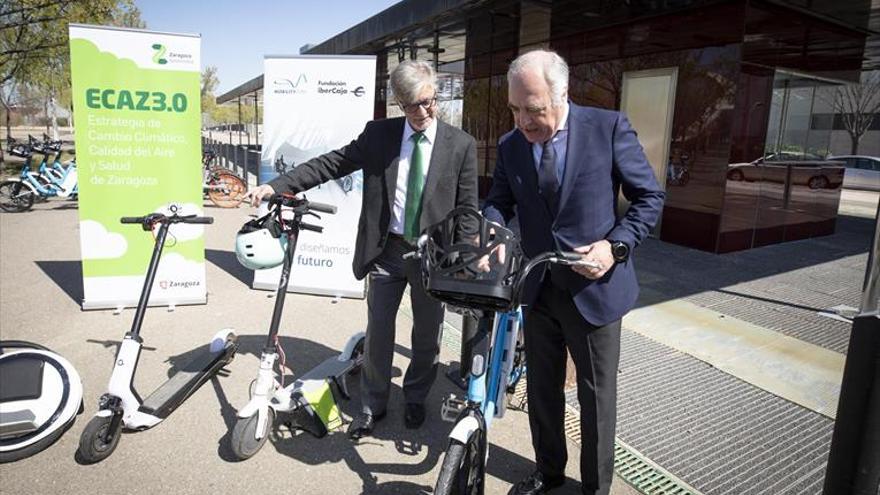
(619,250)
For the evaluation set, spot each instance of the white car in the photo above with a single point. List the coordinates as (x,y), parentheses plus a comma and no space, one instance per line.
(862,172)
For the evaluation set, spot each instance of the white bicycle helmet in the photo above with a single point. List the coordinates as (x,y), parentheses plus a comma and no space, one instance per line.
(260,244)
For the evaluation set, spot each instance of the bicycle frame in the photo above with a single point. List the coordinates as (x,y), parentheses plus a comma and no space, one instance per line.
(29,178)
(487,384)
(494,367)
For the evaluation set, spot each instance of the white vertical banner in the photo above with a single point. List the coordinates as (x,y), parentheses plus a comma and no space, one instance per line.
(314,104)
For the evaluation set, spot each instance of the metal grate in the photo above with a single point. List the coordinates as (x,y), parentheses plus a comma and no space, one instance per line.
(644,476)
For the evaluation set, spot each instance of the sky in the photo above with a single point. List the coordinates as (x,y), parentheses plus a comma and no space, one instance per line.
(237,34)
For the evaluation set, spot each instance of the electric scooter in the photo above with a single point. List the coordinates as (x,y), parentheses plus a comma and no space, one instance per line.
(121,406)
(308,403)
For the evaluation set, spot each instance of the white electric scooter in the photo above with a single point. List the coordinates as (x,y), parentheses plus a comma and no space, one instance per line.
(308,401)
(121,406)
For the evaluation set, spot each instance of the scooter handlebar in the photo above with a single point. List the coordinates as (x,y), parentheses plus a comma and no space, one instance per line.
(322,207)
(204,220)
(172,219)
(290,200)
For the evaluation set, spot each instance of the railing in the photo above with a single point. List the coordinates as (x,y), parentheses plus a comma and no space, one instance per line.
(243,159)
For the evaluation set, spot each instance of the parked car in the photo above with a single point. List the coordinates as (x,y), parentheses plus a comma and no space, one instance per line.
(812,171)
(862,172)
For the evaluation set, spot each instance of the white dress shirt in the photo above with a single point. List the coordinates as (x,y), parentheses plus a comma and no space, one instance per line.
(406,149)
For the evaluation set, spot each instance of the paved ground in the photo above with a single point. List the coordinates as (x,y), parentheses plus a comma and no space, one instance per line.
(729,375)
(716,424)
(40,292)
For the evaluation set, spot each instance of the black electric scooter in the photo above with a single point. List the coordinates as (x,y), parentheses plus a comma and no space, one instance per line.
(121,406)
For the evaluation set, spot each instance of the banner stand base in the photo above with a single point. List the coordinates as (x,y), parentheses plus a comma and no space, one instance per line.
(119,306)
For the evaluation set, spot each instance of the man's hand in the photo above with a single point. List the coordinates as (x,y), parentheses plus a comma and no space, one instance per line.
(500,251)
(256,195)
(598,252)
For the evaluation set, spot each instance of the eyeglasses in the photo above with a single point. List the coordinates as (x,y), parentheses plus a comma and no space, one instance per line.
(424,105)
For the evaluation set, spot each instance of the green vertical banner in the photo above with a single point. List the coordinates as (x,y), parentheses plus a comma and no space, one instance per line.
(137,118)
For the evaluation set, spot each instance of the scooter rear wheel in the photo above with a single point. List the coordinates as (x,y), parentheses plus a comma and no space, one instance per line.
(243,439)
(92,447)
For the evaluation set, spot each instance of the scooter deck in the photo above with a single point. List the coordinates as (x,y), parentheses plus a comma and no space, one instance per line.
(329,368)
(165,399)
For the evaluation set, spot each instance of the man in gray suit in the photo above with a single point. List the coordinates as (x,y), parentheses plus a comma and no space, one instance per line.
(416,170)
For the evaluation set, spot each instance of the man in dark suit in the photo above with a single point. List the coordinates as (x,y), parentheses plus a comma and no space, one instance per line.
(416,169)
(562,168)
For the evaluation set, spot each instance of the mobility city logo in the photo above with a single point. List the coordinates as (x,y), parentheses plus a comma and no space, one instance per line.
(339,88)
(289,86)
(162,56)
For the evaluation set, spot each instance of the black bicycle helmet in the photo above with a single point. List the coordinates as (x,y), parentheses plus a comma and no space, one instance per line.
(470,262)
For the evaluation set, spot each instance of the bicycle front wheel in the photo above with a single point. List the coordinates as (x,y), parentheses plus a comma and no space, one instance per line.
(463,470)
(15,196)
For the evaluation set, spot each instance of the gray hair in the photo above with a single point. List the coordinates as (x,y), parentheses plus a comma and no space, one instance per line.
(409,79)
(548,64)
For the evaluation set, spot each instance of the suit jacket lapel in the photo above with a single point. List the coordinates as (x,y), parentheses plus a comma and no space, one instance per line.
(578,135)
(438,167)
(391,158)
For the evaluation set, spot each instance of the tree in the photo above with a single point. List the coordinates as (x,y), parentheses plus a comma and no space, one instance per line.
(34,51)
(858,105)
(209,85)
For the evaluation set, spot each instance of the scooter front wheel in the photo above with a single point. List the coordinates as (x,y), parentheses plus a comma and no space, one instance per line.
(94,446)
(244,435)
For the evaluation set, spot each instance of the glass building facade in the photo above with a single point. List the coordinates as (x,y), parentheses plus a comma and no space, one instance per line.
(737,144)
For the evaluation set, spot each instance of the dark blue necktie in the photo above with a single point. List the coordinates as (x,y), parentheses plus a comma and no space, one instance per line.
(548,184)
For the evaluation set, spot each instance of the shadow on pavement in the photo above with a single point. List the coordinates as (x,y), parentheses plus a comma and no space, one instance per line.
(226,261)
(424,446)
(674,271)
(67,275)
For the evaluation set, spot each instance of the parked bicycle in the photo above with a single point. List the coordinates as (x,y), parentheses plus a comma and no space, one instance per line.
(56,173)
(223,186)
(469,262)
(17,194)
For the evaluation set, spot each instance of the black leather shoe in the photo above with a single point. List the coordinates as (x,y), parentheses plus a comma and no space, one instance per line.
(414,415)
(363,425)
(536,484)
